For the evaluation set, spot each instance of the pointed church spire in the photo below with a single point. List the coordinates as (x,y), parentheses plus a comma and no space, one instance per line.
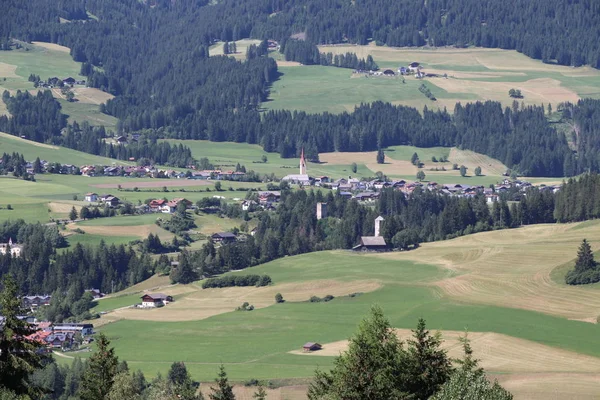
(302,163)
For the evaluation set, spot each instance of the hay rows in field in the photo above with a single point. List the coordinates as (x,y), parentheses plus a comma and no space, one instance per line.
(511,268)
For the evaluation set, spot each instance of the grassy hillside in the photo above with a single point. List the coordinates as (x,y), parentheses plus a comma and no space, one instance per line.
(487,282)
(473,74)
(31,150)
(49,60)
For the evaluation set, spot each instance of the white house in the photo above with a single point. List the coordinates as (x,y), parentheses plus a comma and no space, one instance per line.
(91,197)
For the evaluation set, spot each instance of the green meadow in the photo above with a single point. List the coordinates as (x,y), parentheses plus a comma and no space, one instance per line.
(472,74)
(226,155)
(256,344)
(48,61)
(63,155)
(316,89)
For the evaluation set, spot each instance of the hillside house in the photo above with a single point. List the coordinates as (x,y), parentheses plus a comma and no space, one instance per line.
(111,201)
(267,198)
(157,204)
(35,301)
(249,205)
(310,346)
(91,197)
(83,329)
(96,293)
(371,243)
(59,340)
(153,300)
(223,237)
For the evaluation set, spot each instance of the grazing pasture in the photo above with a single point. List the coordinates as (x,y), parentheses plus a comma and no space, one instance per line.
(524,326)
(472,74)
(49,60)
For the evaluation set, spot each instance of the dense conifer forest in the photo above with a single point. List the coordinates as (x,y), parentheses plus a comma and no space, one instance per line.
(167,85)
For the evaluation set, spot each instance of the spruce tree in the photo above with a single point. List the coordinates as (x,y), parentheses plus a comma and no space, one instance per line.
(100,371)
(585,258)
(223,391)
(380,156)
(73,214)
(427,365)
(370,368)
(19,356)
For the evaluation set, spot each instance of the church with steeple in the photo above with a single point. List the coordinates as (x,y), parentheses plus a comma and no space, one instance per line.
(302,178)
(15,249)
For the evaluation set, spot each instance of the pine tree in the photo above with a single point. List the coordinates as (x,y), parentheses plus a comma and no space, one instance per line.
(380,156)
(73,214)
(223,391)
(19,357)
(100,371)
(585,258)
(369,369)
(427,366)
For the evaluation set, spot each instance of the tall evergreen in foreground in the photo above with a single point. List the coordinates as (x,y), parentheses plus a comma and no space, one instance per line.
(223,390)
(19,356)
(377,366)
(100,372)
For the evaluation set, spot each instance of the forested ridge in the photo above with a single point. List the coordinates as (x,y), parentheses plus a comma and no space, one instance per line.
(154,57)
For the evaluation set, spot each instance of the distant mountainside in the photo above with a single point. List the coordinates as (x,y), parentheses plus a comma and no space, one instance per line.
(154,57)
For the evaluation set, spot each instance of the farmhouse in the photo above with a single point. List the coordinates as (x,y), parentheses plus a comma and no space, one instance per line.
(15,249)
(223,237)
(96,293)
(373,243)
(389,72)
(310,346)
(152,300)
(91,197)
(267,198)
(414,66)
(69,81)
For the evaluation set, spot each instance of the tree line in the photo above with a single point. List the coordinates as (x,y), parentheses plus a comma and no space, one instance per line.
(307,53)
(66,274)
(39,118)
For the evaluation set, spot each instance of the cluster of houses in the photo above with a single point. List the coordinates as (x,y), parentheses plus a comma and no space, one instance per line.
(35,301)
(14,248)
(61,336)
(57,82)
(106,199)
(414,68)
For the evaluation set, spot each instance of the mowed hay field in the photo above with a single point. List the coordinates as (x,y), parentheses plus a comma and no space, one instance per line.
(50,60)
(398,165)
(512,268)
(526,328)
(473,74)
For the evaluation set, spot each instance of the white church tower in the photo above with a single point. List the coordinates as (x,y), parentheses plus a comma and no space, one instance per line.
(378,222)
(302,163)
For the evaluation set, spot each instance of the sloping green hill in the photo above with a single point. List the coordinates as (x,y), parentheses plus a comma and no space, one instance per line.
(31,150)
